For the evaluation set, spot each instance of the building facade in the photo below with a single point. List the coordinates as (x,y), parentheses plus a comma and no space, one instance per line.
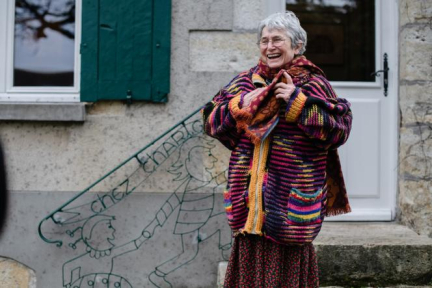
(58,142)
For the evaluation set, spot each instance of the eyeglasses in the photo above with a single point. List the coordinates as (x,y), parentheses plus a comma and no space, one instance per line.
(277,42)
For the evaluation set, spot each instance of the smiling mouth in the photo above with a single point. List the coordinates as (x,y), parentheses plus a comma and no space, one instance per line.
(273,56)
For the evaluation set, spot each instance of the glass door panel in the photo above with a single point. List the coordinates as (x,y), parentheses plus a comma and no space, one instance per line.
(341,36)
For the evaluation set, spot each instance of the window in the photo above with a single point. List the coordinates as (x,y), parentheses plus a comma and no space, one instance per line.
(40,51)
(44,40)
(122,54)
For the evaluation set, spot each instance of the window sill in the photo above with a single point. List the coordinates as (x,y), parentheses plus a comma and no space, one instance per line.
(71,112)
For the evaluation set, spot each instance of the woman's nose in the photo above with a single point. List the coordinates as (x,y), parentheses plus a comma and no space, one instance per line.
(270,45)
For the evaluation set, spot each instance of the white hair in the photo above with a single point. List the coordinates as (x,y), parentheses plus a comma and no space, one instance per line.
(288,22)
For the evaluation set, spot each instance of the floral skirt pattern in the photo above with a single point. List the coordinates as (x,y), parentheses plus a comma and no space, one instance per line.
(259,262)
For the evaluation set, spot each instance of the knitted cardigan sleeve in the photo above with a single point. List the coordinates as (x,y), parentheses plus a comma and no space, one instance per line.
(217,114)
(320,113)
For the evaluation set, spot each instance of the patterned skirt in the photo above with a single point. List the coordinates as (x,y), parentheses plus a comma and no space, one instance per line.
(258,262)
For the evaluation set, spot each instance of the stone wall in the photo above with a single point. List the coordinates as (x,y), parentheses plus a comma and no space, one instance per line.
(14,274)
(415,100)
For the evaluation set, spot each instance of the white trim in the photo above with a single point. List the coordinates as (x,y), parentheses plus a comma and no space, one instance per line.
(393,53)
(352,84)
(39,97)
(38,89)
(378,41)
(3,33)
(37,94)
(78,25)
(10,44)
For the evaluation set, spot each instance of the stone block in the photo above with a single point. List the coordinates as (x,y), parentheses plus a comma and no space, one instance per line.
(58,112)
(415,11)
(377,266)
(16,275)
(397,286)
(222,51)
(415,53)
(222,267)
(248,14)
(204,14)
(415,203)
(372,254)
(189,15)
(415,153)
(416,112)
(411,91)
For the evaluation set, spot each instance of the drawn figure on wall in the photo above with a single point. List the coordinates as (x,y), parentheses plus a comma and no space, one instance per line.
(98,235)
(196,216)
(193,201)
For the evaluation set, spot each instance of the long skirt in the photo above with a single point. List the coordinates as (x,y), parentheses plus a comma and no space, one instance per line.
(262,263)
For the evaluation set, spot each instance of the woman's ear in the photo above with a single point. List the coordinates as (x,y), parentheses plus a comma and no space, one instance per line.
(298,48)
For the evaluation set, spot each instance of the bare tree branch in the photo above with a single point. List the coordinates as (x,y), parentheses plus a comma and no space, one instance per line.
(28,13)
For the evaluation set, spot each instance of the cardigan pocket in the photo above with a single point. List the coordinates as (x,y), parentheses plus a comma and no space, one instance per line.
(304,208)
(228,204)
(303,218)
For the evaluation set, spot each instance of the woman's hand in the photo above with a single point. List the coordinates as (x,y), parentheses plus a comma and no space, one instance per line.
(248,98)
(284,91)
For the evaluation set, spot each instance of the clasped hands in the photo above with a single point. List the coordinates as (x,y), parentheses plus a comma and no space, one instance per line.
(281,91)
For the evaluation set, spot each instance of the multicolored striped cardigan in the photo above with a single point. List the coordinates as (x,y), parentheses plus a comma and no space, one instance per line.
(283,186)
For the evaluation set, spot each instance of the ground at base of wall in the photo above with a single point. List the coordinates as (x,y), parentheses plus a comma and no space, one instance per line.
(362,254)
(400,286)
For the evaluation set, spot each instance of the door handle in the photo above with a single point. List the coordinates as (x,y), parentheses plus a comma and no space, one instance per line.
(385,71)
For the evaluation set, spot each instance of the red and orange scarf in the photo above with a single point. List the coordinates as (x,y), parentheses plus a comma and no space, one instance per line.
(261,116)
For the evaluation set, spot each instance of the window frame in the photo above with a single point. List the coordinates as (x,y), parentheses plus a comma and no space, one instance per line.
(9,93)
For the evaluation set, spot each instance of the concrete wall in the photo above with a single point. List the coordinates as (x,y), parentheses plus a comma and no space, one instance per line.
(415,100)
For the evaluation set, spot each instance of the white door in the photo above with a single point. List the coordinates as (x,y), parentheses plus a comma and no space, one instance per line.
(348,39)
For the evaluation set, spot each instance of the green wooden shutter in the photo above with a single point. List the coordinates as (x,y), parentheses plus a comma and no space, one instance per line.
(125,50)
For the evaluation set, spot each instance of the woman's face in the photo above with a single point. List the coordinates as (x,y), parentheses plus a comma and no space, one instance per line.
(279,55)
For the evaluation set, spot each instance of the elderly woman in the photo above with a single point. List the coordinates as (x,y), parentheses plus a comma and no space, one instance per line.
(283,123)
